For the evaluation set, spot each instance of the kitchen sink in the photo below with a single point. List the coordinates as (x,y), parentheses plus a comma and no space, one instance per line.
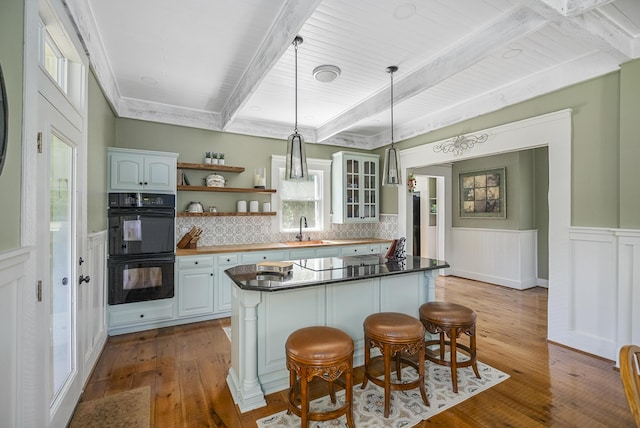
(309,242)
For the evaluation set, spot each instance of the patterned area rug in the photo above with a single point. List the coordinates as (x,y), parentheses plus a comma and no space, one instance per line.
(227,331)
(131,409)
(406,407)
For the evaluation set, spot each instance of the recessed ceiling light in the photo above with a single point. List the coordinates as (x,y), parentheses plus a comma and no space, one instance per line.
(404,11)
(511,53)
(326,73)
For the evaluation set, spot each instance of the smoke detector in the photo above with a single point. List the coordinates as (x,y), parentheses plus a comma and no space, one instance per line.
(326,73)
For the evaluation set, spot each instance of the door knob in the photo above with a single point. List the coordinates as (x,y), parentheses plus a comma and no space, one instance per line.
(84,279)
(65,280)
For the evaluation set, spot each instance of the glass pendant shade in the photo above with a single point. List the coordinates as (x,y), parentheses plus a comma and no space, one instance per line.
(391,169)
(296,167)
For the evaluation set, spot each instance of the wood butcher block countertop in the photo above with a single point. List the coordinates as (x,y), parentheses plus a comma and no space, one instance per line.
(215,249)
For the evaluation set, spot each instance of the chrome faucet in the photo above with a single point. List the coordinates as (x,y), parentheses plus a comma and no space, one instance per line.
(299,235)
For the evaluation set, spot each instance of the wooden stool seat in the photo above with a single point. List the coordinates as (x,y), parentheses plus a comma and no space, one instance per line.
(323,352)
(396,335)
(452,320)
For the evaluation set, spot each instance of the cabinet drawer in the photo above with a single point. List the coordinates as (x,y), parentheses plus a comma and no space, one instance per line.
(355,250)
(259,256)
(228,260)
(141,314)
(194,261)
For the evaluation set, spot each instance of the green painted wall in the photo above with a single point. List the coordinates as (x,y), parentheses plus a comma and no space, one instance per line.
(191,143)
(11,59)
(101,134)
(595,149)
(519,186)
(630,145)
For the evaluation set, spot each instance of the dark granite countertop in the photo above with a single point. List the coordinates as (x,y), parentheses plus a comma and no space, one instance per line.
(321,271)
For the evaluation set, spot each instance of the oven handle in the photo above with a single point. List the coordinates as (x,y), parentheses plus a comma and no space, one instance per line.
(153,212)
(142,258)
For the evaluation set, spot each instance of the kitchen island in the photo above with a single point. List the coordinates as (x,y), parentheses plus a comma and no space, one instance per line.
(334,291)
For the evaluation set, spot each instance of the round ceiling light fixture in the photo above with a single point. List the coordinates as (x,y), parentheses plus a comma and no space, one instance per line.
(326,73)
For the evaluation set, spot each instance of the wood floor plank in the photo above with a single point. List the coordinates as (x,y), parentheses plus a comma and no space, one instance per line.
(549,385)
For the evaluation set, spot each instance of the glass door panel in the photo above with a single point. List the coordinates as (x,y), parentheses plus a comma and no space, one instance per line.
(61,246)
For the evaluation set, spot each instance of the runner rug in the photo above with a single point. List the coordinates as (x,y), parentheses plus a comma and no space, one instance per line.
(131,409)
(406,407)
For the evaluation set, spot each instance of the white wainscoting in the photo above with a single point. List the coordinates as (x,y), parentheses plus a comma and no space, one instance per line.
(497,256)
(92,303)
(628,288)
(12,284)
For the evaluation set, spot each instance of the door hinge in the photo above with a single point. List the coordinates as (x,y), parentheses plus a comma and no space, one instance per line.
(39,142)
(39,291)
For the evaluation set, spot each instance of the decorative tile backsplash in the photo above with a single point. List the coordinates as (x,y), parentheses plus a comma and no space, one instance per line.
(258,229)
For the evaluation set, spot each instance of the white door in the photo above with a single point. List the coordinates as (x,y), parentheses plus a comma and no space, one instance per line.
(60,235)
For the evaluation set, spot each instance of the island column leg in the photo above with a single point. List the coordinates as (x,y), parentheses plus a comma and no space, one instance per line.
(243,375)
(430,284)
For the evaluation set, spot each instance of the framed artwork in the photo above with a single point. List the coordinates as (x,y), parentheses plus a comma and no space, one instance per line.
(482,193)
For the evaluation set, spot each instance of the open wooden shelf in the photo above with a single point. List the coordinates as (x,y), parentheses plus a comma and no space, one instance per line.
(225,189)
(221,214)
(210,167)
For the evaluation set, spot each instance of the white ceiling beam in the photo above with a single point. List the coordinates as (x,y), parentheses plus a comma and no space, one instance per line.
(284,29)
(575,7)
(534,85)
(513,25)
(590,27)
(163,113)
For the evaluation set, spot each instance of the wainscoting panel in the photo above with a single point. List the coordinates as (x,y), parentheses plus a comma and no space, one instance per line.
(12,283)
(593,292)
(91,307)
(497,256)
(628,288)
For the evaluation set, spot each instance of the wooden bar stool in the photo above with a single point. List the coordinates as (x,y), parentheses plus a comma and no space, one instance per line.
(325,352)
(453,320)
(395,334)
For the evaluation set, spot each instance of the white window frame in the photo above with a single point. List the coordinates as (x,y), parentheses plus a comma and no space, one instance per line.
(323,167)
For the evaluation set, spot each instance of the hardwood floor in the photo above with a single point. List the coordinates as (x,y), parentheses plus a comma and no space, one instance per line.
(550,385)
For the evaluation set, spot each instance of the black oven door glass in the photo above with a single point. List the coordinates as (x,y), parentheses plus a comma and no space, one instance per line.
(141,279)
(141,231)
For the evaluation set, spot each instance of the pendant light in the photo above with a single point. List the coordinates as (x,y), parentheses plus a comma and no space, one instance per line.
(391,171)
(296,168)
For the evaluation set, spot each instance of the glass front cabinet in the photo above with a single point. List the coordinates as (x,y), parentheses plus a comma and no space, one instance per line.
(355,188)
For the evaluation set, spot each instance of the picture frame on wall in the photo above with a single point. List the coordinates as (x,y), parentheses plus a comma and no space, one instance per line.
(482,194)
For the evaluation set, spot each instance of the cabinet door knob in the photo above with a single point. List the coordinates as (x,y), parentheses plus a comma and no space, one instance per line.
(196,262)
(211,274)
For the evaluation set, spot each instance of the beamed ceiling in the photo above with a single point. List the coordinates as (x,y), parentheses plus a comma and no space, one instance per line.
(229,65)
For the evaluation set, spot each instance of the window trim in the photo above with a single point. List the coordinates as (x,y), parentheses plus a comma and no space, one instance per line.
(324,165)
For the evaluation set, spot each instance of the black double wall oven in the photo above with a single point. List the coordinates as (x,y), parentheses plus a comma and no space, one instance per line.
(141,247)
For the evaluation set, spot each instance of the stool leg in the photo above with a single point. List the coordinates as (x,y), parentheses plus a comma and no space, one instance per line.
(398,366)
(304,400)
(423,391)
(454,359)
(387,379)
(367,356)
(348,396)
(293,384)
(332,392)
(442,345)
(472,346)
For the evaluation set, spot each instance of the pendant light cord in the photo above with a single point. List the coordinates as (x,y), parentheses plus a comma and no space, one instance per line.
(295,45)
(392,69)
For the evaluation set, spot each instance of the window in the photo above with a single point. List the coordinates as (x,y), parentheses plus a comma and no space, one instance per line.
(309,198)
(54,61)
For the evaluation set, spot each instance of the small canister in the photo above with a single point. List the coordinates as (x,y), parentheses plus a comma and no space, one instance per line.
(242,206)
(254,207)
(266,207)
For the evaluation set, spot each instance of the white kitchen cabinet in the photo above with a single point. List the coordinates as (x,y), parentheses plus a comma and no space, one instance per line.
(355,188)
(140,315)
(223,282)
(354,250)
(195,291)
(141,170)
